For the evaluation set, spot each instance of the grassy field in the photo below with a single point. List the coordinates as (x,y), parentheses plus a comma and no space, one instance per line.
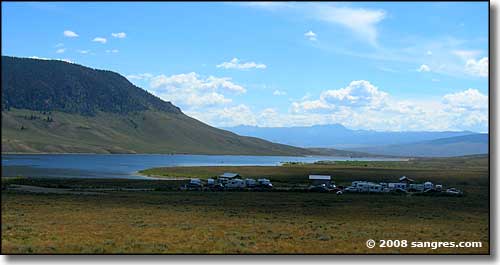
(169,221)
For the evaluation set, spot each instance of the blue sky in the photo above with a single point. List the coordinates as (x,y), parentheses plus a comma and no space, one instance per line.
(381,66)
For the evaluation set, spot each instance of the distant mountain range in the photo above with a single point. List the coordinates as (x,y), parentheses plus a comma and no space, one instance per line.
(337,136)
(323,137)
(58,107)
(452,146)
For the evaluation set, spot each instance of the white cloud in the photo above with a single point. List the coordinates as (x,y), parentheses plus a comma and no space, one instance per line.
(363,106)
(357,93)
(228,116)
(363,22)
(311,35)
(424,68)
(60,50)
(83,51)
(466,54)
(470,99)
(119,35)
(279,93)
(112,51)
(70,34)
(429,53)
(477,67)
(236,64)
(192,91)
(100,40)
(59,45)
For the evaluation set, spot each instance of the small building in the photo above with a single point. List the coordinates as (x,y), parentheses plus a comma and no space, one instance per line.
(317,180)
(227,176)
(405,179)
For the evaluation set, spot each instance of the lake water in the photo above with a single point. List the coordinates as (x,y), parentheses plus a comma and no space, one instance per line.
(127,165)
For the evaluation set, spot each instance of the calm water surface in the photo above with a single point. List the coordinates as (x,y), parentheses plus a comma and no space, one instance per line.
(127,165)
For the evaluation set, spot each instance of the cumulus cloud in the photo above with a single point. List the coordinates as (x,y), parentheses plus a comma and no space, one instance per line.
(100,40)
(60,50)
(361,105)
(83,51)
(310,35)
(192,91)
(70,34)
(119,35)
(477,67)
(360,93)
(470,99)
(235,63)
(424,68)
(227,116)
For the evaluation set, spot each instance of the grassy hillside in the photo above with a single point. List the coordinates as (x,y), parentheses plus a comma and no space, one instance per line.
(136,132)
(58,107)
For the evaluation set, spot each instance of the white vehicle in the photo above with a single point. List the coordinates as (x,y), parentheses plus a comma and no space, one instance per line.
(195,182)
(439,187)
(235,184)
(416,187)
(428,185)
(453,191)
(372,187)
(351,189)
(210,182)
(397,186)
(250,183)
(265,183)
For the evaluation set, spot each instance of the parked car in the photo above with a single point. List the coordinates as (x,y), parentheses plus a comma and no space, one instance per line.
(319,188)
(453,191)
(351,189)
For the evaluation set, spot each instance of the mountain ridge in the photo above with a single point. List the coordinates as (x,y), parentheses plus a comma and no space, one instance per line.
(51,106)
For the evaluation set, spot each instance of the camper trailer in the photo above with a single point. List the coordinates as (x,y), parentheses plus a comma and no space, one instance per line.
(250,183)
(235,184)
(194,184)
(396,186)
(264,183)
(416,187)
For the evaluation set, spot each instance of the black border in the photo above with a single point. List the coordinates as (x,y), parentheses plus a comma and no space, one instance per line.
(58,256)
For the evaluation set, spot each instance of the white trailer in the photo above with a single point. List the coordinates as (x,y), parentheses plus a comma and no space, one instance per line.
(250,183)
(235,184)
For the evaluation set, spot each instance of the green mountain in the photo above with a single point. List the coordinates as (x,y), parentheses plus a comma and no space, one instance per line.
(58,107)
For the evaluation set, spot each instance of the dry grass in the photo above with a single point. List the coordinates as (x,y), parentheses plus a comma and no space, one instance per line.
(236,222)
